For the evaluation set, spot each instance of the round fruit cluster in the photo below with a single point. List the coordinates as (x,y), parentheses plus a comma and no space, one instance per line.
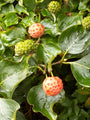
(52,86)
(24,47)
(54,7)
(36,30)
(86,22)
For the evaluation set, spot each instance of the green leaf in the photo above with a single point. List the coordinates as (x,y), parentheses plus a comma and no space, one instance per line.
(38,1)
(74,40)
(73,4)
(20,116)
(21,9)
(29,4)
(65,21)
(45,13)
(6,9)
(83,115)
(83,90)
(8,53)
(51,28)
(10,19)
(49,39)
(8,109)
(42,103)
(2,48)
(81,70)
(45,52)
(4,2)
(80,98)
(13,35)
(11,75)
(44,4)
(32,65)
(27,21)
(64,115)
(21,91)
(84,53)
(84,5)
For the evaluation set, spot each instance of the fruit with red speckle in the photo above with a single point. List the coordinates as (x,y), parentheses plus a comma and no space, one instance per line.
(36,30)
(52,86)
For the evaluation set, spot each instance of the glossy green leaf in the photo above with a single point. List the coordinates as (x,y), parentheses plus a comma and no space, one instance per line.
(49,39)
(48,52)
(8,53)
(13,35)
(21,9)
(20,93)
(4,2)
(74,40)
(2,48)
(81,70)
(42,103)
(45,13)
(10,19)
(65,21)
(11,74)
(32,65)
(51,28)
(8,109)
(73,4)
(84,5)
(44,4)
(84,53)
(29,4)
(6,9)
(28,20)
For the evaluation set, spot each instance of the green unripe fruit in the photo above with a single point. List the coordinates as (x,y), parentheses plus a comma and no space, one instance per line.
(86,22)
(54,7)
(24,47)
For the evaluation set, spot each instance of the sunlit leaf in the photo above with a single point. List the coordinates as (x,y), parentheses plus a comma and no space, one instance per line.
(8,109)
(42,103)
(74,40)
(81,70)
(11,74)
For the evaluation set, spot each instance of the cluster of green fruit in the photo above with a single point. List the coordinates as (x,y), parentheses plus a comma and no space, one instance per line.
(86,22)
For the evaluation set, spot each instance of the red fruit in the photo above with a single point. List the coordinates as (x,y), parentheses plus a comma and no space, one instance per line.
(52,85)
(36,30)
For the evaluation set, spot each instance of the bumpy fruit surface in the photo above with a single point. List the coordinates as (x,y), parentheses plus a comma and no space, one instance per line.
(52,86)
(24,47)
(54,7)
(36,30)
(86,22)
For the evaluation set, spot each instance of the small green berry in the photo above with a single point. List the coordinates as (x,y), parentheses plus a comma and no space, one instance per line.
(54,7)
(24,47)
(86,22)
